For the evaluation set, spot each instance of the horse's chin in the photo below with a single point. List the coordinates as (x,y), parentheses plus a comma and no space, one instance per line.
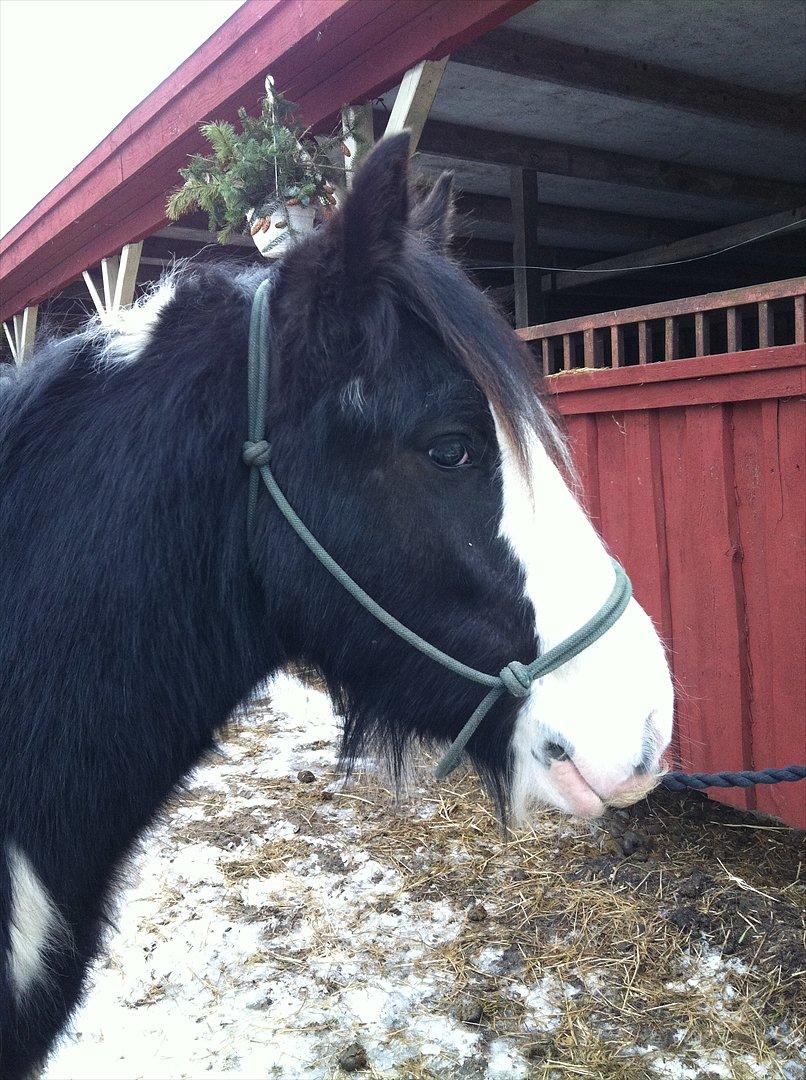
(638,789)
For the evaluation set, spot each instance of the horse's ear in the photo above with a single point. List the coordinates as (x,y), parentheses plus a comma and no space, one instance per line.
(376,211)
(432,217)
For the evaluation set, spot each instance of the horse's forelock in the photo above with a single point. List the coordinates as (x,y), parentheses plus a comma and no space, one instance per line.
(473,331)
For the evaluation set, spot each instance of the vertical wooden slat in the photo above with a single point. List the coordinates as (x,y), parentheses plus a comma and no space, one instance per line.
(611,440)
(582,433)
(587,340)
(734,327)
(546,354)
(800,319)
(707,611)
(643,342)
(566,352)
(644,514)
(765,327)
(771,508)
(671,339)
(616,356)
(702,335)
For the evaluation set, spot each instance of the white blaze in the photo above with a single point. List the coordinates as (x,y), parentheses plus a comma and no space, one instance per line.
(36,924)
(600,702)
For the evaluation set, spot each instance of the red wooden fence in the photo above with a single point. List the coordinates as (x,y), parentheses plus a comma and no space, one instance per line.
(723,322)
(694,471)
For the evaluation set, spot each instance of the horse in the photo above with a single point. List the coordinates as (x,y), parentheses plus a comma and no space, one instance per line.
(411,434)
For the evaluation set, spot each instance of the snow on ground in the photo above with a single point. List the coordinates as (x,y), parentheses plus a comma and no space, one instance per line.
(274,918)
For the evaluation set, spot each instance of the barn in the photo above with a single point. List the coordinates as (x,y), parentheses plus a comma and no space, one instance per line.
(632,183)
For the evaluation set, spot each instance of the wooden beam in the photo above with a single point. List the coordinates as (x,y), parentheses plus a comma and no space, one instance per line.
(109,275)
(529,300)
(118,278)
(127,276)
(201,236)
(604,166)
(21,334)
(693,246)
(415,97)
(94,294)
(473,250)
(631,228)
(561,63)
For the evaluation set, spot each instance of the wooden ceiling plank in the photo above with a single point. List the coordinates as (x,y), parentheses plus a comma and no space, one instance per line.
(578,67)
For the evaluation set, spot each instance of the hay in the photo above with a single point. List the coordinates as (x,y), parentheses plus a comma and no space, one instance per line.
(667,941)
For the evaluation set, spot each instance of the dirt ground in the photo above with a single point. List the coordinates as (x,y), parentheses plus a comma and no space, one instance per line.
(283,924)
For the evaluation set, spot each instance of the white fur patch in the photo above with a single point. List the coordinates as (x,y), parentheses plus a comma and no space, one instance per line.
(599,703)
(36,925)
(124,334)
(352,395)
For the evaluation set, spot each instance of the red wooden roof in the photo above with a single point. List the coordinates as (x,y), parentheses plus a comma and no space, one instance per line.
(323,54)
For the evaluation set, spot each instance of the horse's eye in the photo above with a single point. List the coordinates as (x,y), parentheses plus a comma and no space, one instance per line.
(451,452)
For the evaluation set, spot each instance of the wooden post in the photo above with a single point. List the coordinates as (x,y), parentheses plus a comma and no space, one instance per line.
(21,335)
(529,299)
(118,278)
(418,88)
(128,265)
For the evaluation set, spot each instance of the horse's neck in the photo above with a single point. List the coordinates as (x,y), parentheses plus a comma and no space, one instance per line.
(137,629)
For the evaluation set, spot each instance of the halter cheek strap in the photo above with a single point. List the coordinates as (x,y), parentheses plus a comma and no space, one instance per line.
(516,678)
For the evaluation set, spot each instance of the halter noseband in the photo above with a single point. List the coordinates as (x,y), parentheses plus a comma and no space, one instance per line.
(516,678)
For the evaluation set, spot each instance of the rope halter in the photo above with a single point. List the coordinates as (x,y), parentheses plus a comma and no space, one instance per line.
(516,678)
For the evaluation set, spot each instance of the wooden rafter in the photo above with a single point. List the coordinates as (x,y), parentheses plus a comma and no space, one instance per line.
(605,166)
(632,228)
(561,63)
(691,247)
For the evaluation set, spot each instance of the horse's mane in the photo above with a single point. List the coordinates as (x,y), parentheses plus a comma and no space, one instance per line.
(428,285)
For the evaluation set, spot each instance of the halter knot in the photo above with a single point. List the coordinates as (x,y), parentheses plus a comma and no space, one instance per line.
(516,678)
(256,453)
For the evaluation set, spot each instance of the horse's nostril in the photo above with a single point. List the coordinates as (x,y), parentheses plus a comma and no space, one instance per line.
(556,752)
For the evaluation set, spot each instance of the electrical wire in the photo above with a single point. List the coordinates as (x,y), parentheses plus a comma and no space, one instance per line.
(646,266)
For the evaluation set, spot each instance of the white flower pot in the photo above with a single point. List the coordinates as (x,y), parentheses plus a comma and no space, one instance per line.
(284,227)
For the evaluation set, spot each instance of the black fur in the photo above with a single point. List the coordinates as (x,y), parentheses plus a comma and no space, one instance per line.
(132,623)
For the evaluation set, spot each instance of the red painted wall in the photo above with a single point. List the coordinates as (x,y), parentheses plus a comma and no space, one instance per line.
(694,471)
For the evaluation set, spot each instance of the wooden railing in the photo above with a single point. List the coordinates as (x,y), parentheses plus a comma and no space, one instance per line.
(757,316)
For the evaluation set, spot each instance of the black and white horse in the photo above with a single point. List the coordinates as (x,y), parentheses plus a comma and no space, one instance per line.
(408,433)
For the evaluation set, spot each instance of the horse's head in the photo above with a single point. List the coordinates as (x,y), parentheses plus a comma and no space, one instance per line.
(408,430)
